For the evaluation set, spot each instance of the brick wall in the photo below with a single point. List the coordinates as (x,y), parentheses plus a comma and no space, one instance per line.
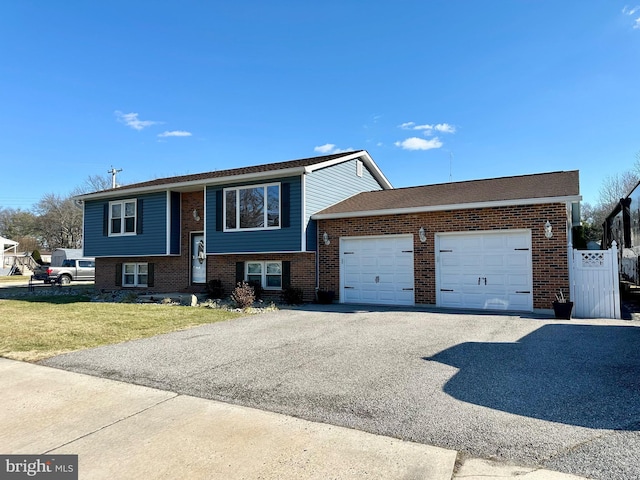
(549,256)
(303,270)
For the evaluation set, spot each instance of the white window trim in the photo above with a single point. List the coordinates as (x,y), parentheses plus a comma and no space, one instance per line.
(122,203)
(263,281)
(135,283)
(266,213)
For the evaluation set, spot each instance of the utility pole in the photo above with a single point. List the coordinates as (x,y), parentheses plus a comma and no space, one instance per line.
(113,173)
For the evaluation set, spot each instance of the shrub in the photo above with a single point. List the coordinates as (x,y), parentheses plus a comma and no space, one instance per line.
(326,297)
(243,295)
(215,289)
(292,296)
(37,257)
(257,289)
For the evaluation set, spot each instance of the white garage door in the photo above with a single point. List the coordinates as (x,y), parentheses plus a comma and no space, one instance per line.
(377,270)
(484,270)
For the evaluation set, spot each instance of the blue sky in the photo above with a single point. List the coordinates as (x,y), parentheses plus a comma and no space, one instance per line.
(432,89)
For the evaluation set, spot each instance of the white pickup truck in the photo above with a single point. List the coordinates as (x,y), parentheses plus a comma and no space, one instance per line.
(73,269)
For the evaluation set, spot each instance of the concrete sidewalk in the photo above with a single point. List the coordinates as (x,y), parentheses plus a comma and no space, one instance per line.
(121,430)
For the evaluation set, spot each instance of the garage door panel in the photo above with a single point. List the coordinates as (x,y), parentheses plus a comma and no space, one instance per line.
(492,283)
(518,302)
(493,242)
(517,260)
(470,260)
(496,303)
(521,241)
(494,261)
(380,271)
(450,260)
(515,280)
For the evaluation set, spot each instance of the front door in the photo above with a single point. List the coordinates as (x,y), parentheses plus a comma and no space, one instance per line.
(198,259)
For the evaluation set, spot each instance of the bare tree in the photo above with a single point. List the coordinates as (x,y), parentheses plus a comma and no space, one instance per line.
(93,183)
(615,187)
(59,222)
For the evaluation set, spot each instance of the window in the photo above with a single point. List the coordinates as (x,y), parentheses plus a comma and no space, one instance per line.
(252,208)
(135,274)
(122,218)
(86,264)
(267,274)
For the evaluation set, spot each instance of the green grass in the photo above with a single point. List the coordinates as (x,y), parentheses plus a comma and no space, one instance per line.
(43,326)
(14,278)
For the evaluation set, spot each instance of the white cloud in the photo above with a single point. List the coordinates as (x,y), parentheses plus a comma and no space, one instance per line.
(132,120)
(427,129)
(330,148)
(415,143)
(326,148)
(632,11)
(445,128)
(175,133)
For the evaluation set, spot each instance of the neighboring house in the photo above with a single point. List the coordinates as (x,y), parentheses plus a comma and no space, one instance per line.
(623,226)
(8,252)
(253,223)
(499,243)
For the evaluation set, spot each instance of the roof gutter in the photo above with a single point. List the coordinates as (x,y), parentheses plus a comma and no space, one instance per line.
(441,208)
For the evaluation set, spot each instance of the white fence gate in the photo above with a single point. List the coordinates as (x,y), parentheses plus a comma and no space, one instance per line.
(595,289)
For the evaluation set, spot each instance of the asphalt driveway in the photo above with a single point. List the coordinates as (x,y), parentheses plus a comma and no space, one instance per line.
(560,394)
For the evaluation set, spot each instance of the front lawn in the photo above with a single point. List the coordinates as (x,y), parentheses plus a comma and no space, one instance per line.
(14,278)
(43,326)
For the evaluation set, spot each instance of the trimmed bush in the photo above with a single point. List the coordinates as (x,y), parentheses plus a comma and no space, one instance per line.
(257,289)
(292,296)
(215,288)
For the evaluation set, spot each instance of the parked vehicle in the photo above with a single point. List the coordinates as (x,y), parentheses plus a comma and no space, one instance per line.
(75,269)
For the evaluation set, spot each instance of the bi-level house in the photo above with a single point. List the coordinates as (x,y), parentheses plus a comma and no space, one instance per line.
(335,223)
(253,223)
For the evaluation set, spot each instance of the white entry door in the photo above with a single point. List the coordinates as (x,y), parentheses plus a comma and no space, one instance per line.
(377,270)
(198,259)
(488,270)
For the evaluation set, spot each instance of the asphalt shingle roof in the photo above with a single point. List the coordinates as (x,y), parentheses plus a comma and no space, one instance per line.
(542,185)
(303,162)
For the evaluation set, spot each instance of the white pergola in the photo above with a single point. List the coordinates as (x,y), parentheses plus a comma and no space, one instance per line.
(6,246)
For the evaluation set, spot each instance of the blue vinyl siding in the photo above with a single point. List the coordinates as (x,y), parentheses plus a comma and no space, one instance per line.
(152,240)
(331,185)
(285,239)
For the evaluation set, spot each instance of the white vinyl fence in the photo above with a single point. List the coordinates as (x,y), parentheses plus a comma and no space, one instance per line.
(595,290)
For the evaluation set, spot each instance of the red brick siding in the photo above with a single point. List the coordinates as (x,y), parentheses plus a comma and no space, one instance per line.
(303,270)
(549,256)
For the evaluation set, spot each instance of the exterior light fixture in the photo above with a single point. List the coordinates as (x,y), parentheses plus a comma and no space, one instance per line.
(422,235)
(548,230)
(325,238)
(196,217)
